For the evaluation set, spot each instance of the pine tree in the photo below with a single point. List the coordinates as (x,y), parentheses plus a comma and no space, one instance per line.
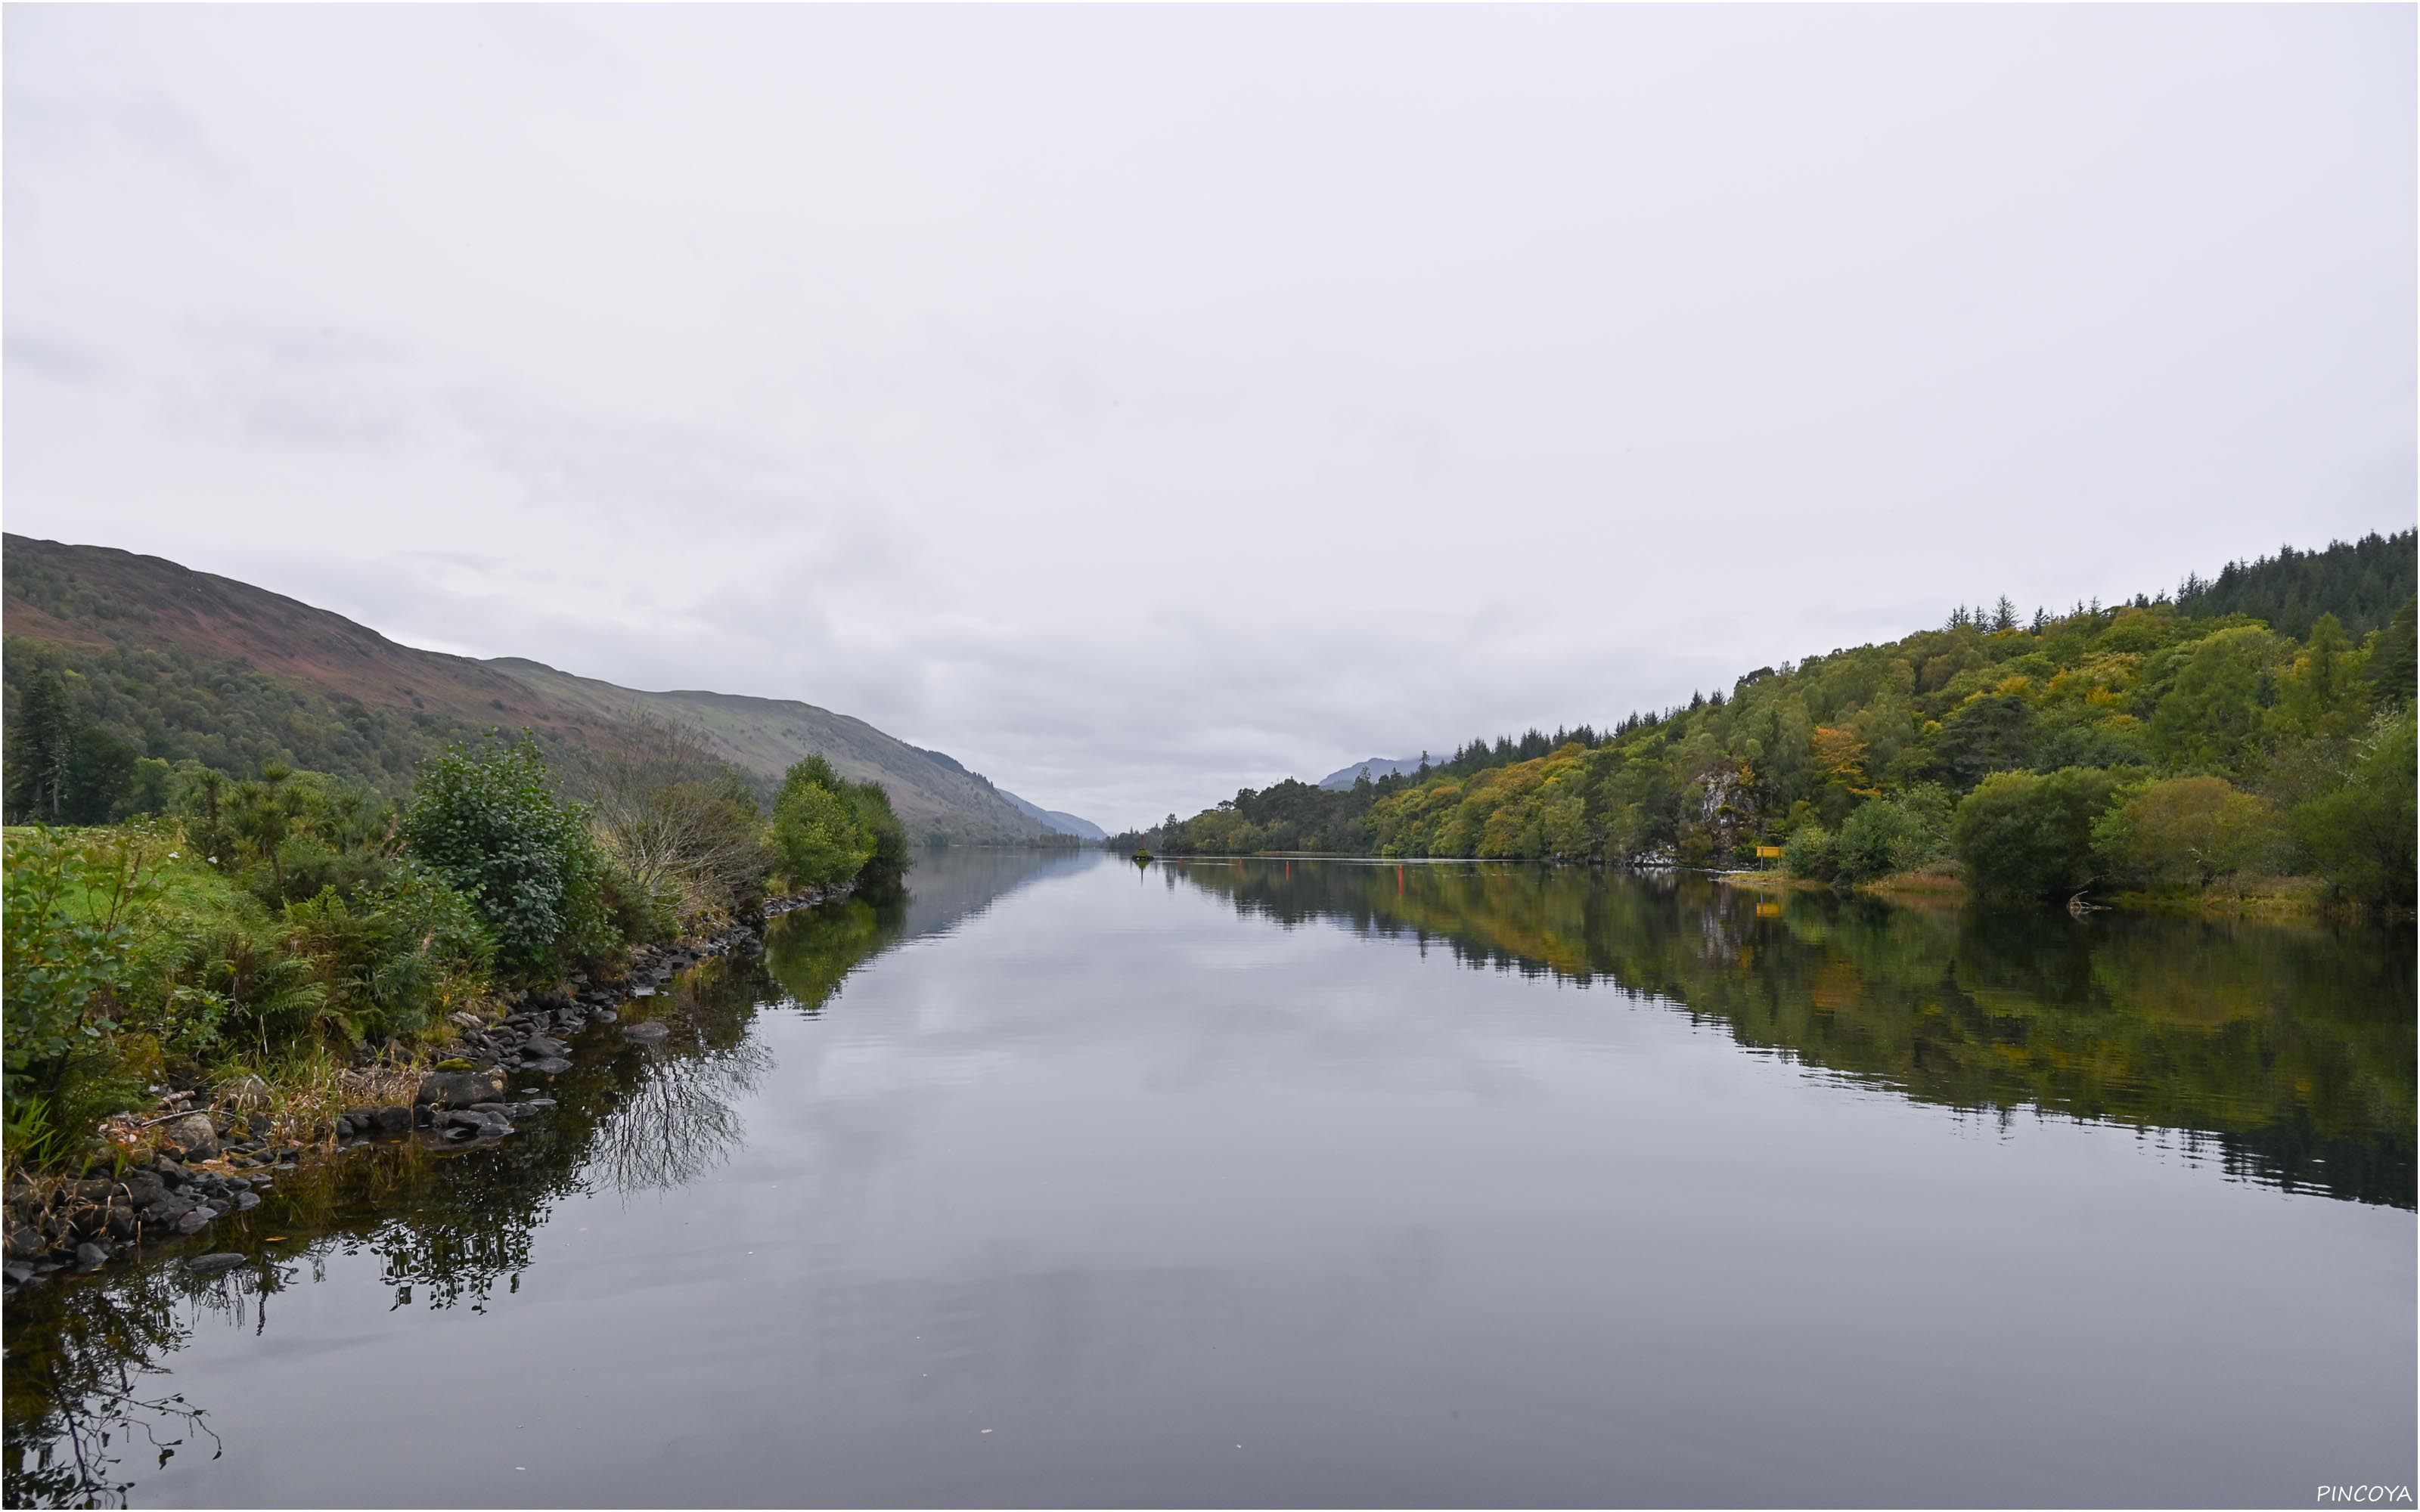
(40,748)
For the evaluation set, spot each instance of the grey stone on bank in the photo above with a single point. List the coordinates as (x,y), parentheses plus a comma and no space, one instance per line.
(459,1088)
(645,1033)
(195,1222)
(486,1121)
(246,1092)
(194,1136)
(89,1253)
(539,1048)
(552,1066)
(168,1208)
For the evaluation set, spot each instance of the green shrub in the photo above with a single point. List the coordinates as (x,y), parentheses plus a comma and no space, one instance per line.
(1873,840)
(402,952)
(2360,834)
(266,990)
(490,825)
(2026,834)
(1811,852)
(887,864)
(637,912)
(76,969)
(2186,832)
(815,828)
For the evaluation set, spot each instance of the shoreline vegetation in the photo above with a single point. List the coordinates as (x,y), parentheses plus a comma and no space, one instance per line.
(199,997)
(2244,746)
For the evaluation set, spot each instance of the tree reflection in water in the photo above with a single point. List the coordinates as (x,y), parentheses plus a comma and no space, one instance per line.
(677,1122)
(446,1226)
(2287,1047)
(74,1398)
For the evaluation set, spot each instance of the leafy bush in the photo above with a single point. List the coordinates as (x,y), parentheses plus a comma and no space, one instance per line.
(76,969)
(490,825)
(2187,832)
(2026,834)
(1811,852)
(829,831)
(815,828)
(1878,839)
(635,912)
(2360,834)
(267,990)
(887,865)
(402,952)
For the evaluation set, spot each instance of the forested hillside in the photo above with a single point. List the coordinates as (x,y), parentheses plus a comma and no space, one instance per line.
(162,667)
(2153,745)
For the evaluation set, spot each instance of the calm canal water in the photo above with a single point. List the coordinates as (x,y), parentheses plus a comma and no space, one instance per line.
(1306,1184)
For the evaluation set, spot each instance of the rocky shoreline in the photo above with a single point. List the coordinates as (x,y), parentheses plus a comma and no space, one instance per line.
(210,1161)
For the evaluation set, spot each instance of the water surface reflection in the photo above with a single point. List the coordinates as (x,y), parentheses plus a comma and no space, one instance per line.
(2289,1046)
(444,1229)
(1229,1183)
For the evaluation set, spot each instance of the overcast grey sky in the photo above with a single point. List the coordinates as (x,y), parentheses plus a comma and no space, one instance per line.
(1141,403)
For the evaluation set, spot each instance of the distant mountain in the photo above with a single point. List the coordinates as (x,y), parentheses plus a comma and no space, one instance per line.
(937,798)
(185,664)
(1374,768)
(1066,823)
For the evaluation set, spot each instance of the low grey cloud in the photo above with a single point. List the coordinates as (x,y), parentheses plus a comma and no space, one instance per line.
(45,355)
(142,124)
(1141,403)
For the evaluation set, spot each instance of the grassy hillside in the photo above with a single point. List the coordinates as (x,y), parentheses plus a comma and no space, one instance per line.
(938,798)
(178,664)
